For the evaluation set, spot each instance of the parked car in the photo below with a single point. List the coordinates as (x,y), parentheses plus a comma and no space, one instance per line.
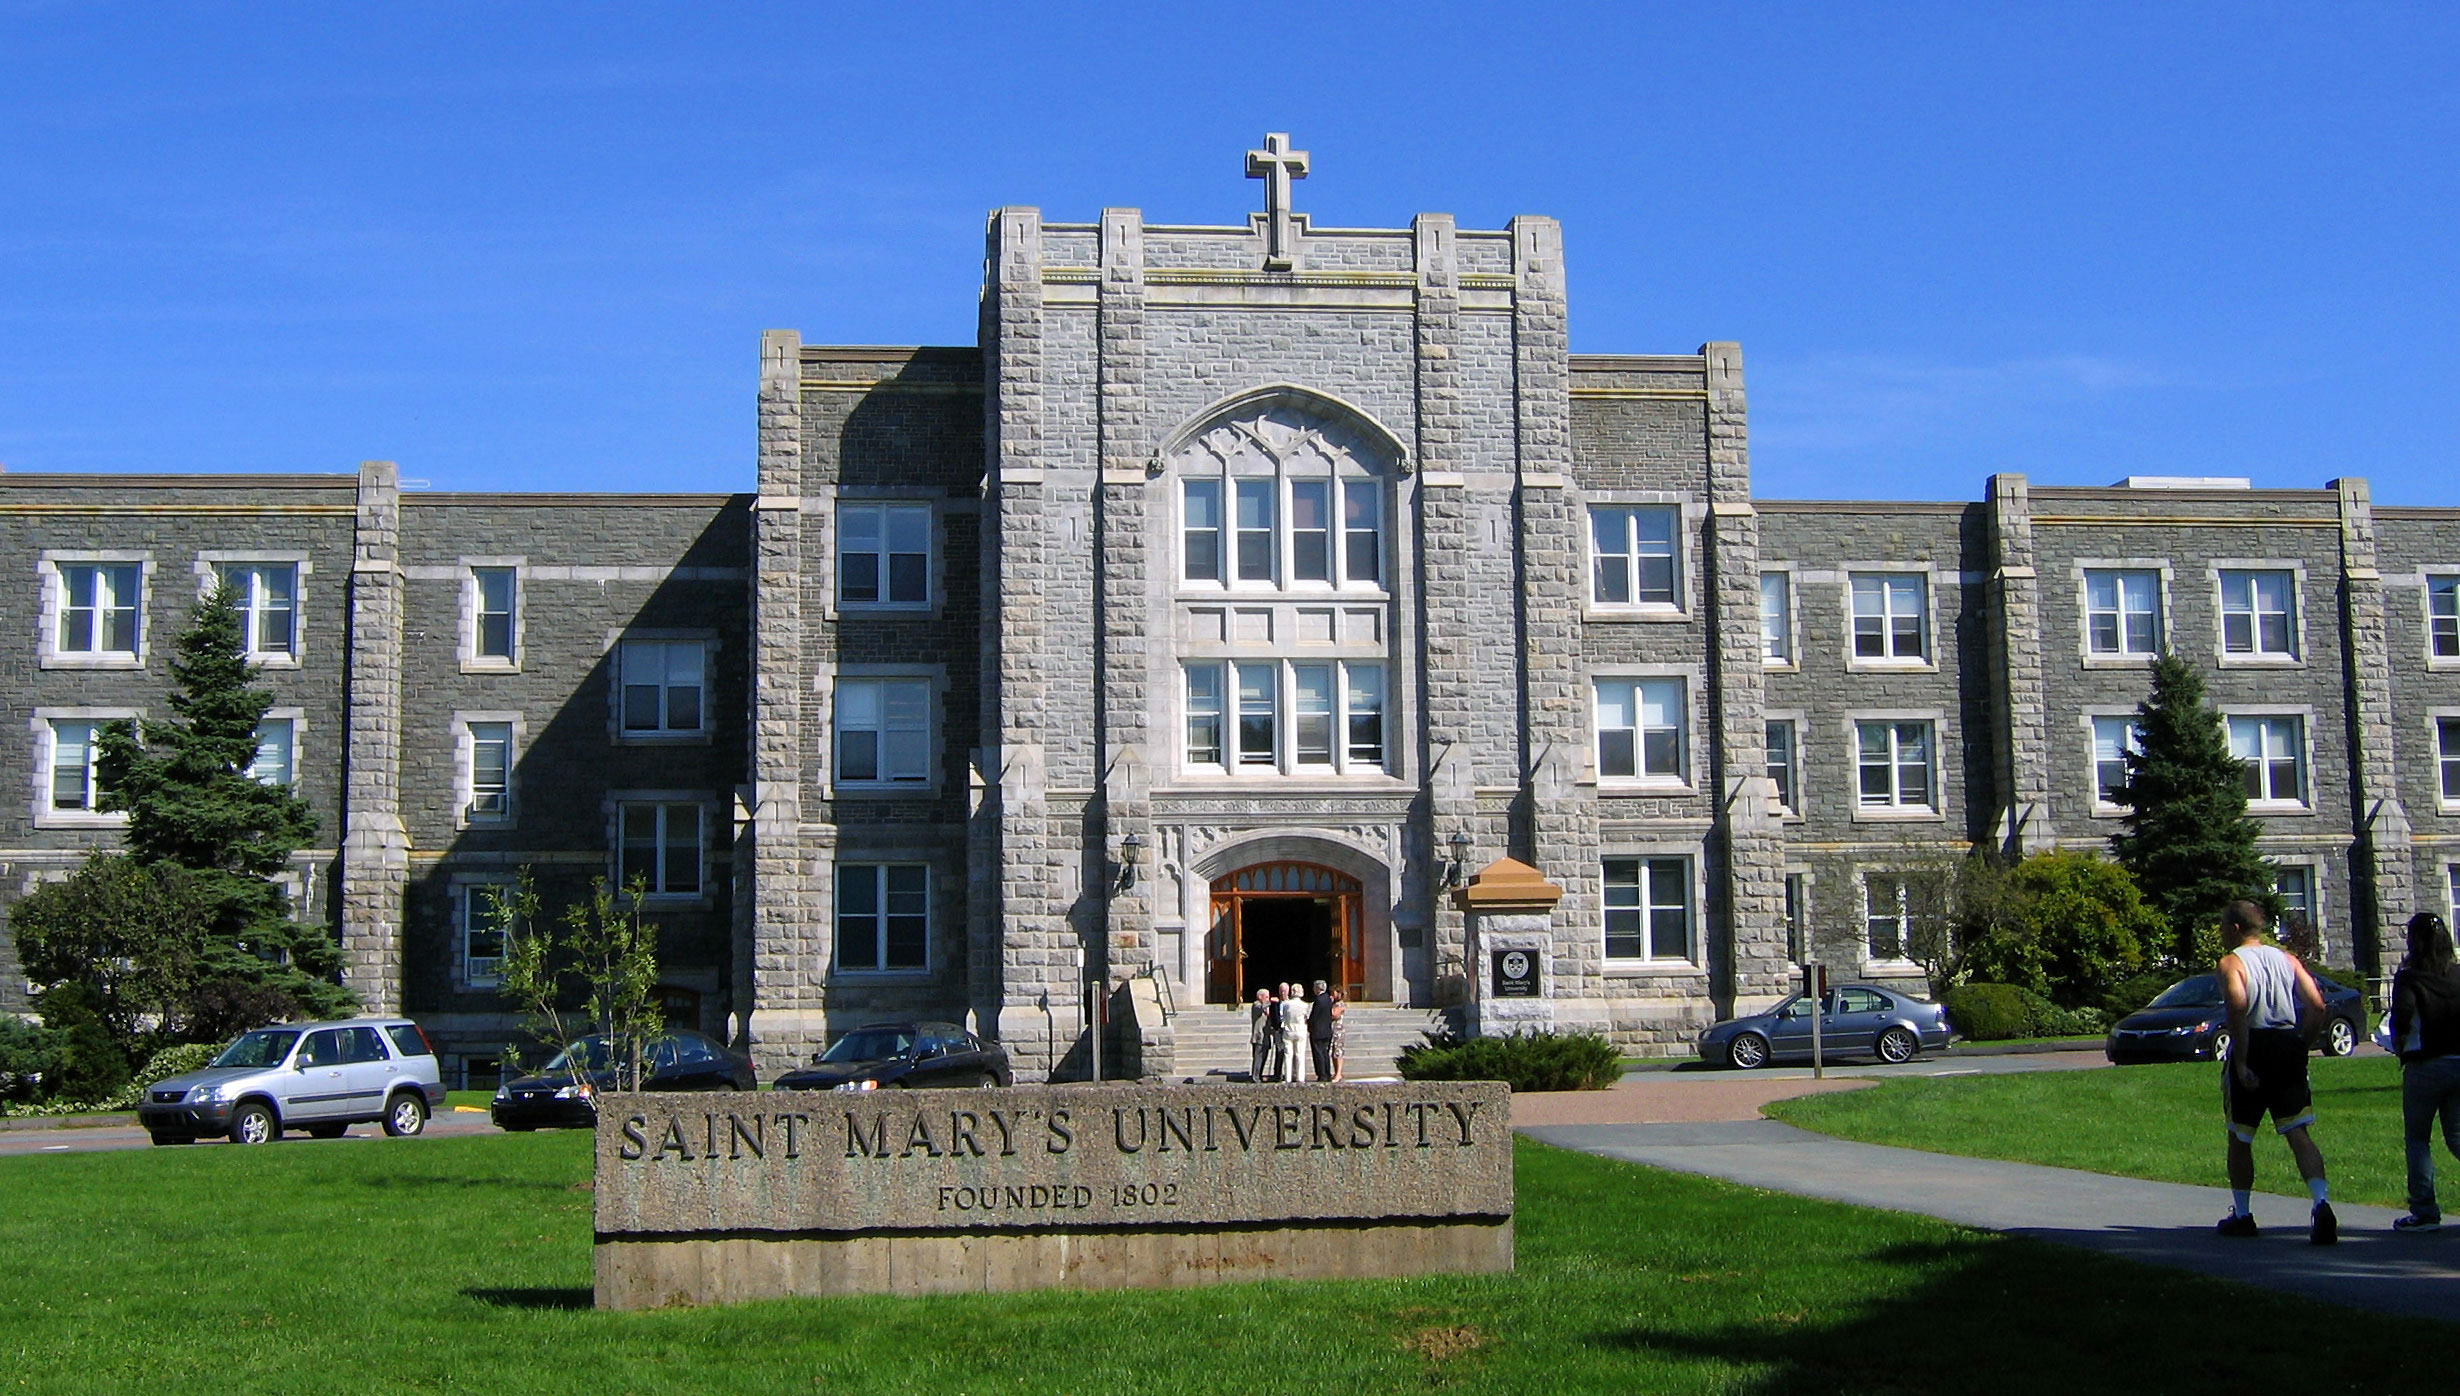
(320,1077)
(2189,1022)
(565,1091)
(1858,1020)
(903,1055)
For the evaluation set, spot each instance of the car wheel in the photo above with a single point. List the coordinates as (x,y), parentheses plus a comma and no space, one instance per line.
(1897,1046)
(2340,1038)
(253,1123)
(327,1131)
(1746,1051)
(173,1139)
(407,1115)
(2220,1045)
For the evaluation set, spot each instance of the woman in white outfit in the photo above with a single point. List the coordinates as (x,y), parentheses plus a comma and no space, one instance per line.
(1294,1034)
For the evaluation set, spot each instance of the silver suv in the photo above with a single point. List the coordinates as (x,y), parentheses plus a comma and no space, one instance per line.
(320,1077)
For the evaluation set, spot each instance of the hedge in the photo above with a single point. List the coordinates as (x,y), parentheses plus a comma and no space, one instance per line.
(1525,1061)
(1996,1012)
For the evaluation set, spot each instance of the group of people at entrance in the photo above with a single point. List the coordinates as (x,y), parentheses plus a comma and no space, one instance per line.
(1287,1033)
(2272,999)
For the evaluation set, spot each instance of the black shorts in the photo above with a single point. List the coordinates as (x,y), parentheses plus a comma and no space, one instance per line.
(2278,1058)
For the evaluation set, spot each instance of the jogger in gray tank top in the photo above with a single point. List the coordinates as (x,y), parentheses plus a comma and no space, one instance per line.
(2264,1071)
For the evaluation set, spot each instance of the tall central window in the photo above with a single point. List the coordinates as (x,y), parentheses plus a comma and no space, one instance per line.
(1284,717)
(1282,531)
(267,593)
(1282,593)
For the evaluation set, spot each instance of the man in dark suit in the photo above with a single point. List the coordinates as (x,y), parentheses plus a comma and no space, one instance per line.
(1320,1031)
(1260,1036)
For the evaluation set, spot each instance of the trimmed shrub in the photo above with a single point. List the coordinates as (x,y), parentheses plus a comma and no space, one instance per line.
(94,1068)
(1525,1061)
(177,1061)
(1997,1012)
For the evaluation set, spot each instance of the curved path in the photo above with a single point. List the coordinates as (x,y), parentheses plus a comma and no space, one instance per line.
(1710,1125)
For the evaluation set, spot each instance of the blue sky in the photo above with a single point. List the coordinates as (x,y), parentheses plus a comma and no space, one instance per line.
(533,247)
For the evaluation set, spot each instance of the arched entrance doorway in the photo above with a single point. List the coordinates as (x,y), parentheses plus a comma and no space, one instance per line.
(1284,921)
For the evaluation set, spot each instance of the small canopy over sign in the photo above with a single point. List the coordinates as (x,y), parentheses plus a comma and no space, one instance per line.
(1509,885)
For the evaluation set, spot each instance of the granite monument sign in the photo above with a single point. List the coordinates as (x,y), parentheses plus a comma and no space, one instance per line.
(714,1198)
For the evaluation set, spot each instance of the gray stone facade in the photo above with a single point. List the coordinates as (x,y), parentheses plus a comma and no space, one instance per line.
(1205,596)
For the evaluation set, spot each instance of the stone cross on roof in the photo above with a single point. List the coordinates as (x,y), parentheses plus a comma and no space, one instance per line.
(1276,164)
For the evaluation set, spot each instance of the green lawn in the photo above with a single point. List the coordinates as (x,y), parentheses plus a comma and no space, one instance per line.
(2138,1121)
(463,1265)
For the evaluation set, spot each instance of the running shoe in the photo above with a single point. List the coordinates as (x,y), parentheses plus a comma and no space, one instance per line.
(2327,1226)
(2415,1225)
(2237,1225)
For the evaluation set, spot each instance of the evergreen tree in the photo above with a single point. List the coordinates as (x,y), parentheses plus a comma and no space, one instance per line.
(191,802)
(2186,835)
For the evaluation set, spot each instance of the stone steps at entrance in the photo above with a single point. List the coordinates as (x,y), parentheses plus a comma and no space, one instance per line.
(1211,1040)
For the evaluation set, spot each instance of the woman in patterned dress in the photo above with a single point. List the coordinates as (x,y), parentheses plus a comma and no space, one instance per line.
(1340,1031)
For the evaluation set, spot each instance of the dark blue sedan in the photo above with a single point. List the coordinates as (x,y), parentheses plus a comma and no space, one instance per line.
(1859,1020)
(2190,1023)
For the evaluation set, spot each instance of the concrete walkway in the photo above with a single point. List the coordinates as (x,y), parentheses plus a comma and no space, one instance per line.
(2157,1223)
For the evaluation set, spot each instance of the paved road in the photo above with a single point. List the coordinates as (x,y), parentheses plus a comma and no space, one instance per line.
(99,1139)
(2157,1223)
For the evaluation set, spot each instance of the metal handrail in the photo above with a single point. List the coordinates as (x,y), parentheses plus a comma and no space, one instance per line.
(1161,989)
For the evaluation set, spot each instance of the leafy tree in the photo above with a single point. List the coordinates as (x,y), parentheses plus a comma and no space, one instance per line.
(187,931)
(597,974)
(130,933)
(2186,835)
(2067,926)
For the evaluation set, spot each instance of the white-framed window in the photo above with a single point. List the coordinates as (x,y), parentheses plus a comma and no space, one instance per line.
(495,615)
(883,917)
(1896,764)
(2442,615)
(2294,884)
(883,731)
(1648,909)
(75,747)
(1776,619)
(1302,531)
(277,750)
(1268,716)
(2272,749)
(1891,616)
(486,922)
(67,787)
(2259,613)
(883,554)
(489,748)
(2447,758)
(1641,729)
(663,687)
(2122,612)
(1891,906)
(96,609)
(2451,892)
(1635,555)
(2114,739)
(660,844)
(1784,763)
(267,594)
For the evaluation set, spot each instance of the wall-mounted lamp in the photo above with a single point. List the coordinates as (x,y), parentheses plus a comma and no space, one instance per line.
(1131,857)
(1456,872)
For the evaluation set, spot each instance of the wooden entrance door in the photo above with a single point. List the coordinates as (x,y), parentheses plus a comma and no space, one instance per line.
(1343,948)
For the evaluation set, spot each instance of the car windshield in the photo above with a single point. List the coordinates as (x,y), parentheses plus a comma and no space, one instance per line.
(870,1045)
(263,1047)
(2203,991)
(589,1053)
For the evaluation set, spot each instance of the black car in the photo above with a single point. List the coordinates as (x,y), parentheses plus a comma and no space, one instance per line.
(886,1055)
(2189,1022)
(565,1091)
